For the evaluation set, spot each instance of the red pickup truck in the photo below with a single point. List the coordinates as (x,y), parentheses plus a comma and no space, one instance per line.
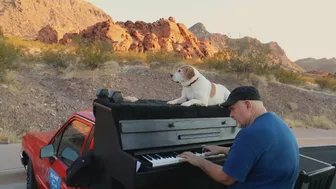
(56,151)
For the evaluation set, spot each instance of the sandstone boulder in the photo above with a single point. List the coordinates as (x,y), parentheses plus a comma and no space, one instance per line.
(161,35)
(47,35)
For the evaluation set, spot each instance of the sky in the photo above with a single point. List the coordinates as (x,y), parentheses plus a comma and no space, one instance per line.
(303,28)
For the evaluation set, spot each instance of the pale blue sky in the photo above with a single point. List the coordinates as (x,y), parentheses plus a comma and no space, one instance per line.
(303,28)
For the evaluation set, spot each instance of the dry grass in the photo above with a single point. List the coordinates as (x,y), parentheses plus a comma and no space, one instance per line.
(307,79)
(10,77)
(10,81)
(291,122)
(7,137)
(321,122)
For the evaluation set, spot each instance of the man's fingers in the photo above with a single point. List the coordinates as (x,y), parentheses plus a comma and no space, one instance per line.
(183,160)
(184,154)
(209,153)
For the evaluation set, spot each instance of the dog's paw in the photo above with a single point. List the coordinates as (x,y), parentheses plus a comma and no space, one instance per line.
(171,102)
(186,103)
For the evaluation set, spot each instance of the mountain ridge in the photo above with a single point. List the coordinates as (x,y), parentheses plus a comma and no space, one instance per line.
(314,64)
(244,45)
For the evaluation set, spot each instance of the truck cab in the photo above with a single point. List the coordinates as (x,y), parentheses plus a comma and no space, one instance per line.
(48,155)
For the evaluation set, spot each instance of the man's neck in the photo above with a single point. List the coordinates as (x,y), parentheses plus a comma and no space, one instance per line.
(257,113)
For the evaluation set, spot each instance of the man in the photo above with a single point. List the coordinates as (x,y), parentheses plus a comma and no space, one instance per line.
(264,155)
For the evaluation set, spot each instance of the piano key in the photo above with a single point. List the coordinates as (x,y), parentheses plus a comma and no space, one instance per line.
(165,158)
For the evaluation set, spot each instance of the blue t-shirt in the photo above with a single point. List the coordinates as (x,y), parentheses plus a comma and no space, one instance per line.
(264,155)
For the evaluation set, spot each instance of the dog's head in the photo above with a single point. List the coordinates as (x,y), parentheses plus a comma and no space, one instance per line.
(185,74)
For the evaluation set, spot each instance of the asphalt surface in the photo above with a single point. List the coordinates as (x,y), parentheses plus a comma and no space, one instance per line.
(12,173)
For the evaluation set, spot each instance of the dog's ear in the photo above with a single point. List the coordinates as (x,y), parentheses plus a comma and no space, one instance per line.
(189,72)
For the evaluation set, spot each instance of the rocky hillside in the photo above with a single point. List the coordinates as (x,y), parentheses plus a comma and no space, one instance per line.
(40,98)
(24,18)
(245,45)
(310,64)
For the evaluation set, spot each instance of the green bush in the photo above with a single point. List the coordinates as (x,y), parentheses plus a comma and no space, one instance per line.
(240,67)
(1,32)
(287,76)
(216,64)
(8,54)
(95,53)
(58,58)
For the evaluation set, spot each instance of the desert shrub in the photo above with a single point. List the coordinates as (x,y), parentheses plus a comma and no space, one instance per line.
(8,54)
(321,122)
(294,122)
(307,79)
(262,68)
(287,76)
(217,64)
(95,53)
(58,58)
(326,83)
(240,67)
(1,32)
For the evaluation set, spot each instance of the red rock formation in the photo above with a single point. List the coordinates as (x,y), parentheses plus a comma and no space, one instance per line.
(319,72)
(67,38)
(164,34)
(47,35)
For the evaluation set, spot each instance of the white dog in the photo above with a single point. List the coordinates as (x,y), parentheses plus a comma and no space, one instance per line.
(197,89)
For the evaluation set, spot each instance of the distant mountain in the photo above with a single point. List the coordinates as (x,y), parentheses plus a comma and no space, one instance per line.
(25,18)
(244,45)
(220,41)
(309,64)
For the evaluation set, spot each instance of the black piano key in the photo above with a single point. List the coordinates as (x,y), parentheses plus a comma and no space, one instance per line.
(149,157)
(170,155)
(158,157)
(165,155)
(153,156)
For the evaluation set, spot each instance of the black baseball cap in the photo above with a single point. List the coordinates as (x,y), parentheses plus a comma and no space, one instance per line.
(242,93)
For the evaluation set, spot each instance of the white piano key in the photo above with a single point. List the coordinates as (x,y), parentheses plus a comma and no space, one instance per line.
(160,160)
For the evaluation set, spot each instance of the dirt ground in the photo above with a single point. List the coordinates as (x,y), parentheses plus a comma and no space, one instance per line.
(40,98)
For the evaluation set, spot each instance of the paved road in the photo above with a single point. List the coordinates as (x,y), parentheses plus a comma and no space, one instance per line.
(12,174)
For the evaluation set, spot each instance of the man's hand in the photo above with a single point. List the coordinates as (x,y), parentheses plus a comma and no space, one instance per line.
(191,158)
(214,150)
(211,169)
(211,150)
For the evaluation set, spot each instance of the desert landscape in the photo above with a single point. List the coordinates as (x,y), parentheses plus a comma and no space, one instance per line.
(52,65)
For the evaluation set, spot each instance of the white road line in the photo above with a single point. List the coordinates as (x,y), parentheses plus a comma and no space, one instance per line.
(12,169)
(315,160)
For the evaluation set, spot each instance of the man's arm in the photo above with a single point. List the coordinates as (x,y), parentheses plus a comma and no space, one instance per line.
(224,150)
(215,172)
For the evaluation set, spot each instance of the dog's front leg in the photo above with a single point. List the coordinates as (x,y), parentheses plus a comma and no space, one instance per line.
(177,101)
(194,101)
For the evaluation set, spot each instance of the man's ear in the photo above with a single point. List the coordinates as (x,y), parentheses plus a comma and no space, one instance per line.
(248,104)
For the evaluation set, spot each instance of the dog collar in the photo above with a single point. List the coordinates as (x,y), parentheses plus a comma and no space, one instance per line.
(192,82)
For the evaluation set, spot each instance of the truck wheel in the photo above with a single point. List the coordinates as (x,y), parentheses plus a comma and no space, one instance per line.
(31,182)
